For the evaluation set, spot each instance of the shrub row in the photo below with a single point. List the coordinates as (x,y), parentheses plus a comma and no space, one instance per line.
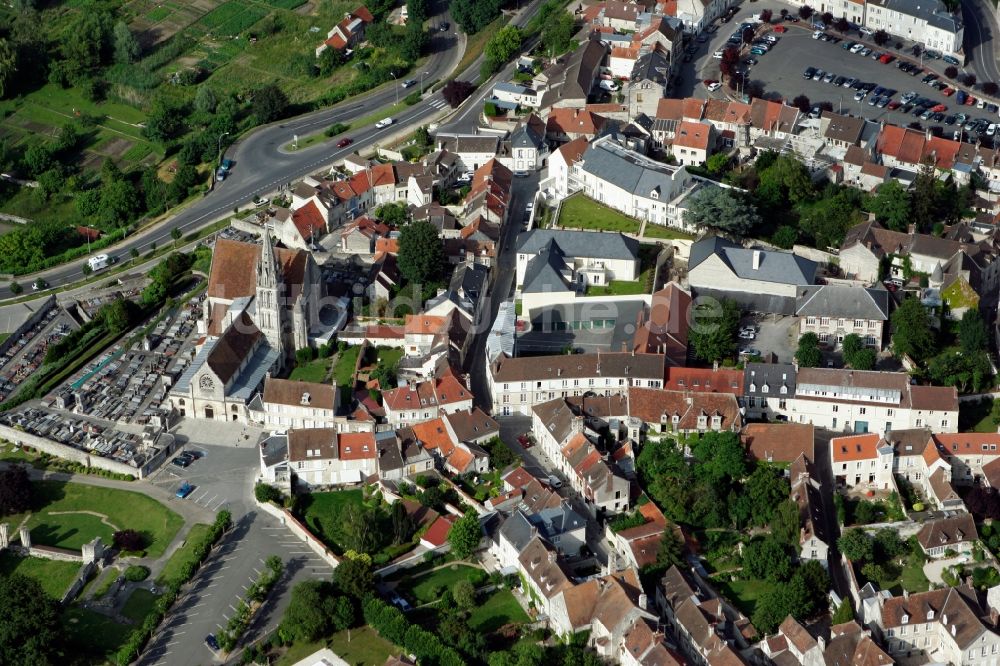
(238,623)
(128,652)
(390,623)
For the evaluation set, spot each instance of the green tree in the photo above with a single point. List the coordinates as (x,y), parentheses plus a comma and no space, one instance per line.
(766,491)
(557,33)
(844,613)
(766,558)
(671,552)
(911,331)
(856,545)
(891,206)
(785,237)
(353,576)
(863,359)
(421,253)
(465,535)
(16,288)
(808,353)
(310,612)
(785,523)
(723,209)
(828,219)
(205,99)
(29,623)
(15,490)
(713,330)
(924,197)
(503,45)
(474,15)
(392,213)
(359,528)
(464,594)
(8,67)
(720,457)
(972,334)
(269,103)
(402,523)
(127,47)
(175,234)
(717,164)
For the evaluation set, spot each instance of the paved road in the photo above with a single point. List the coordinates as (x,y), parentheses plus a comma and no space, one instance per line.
(223,478)
(980,32)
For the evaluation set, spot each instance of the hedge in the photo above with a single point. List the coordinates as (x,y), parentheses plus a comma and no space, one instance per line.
(390,623)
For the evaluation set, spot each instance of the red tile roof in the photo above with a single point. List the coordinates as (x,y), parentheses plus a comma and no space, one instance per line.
(692,135)
(705,380)
(309,220)
(357,446)
(437,535)
(855,447)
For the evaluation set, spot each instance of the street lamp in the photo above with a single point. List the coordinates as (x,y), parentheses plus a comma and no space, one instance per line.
(395,86)
(219,145)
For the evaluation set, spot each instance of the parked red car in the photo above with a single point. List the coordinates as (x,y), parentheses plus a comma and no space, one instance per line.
(970,101)
(894,104)
(780,29)
(940,108)
(524,441)
(948,92)
(343,143)
(886,58)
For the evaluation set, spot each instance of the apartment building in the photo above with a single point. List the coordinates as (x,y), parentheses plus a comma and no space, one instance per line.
(833,312)
(295,404)
(517,384)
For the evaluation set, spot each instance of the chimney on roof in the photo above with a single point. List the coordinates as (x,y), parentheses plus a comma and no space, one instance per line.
(953,630)
(643,601)
(715,366)
(552,556)
(756,260)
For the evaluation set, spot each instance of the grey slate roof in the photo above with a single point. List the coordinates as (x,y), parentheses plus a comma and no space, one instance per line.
(513,88)
(544,271)
(652,66)
(525,136)
(781,267)
(843,301)
(517,530)
(601,245)
(626,169)
(774,375)
(933,12)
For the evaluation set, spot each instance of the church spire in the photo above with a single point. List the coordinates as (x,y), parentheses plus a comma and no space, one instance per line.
(267,271)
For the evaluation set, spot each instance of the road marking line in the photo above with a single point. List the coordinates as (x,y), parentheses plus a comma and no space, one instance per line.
(231,606)
(245,587)
(257,571)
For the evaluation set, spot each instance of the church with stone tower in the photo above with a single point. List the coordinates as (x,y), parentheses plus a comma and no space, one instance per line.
(259,307)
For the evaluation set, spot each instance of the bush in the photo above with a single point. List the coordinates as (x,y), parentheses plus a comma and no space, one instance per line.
(136,573)
(412,98)
(267,493)
(129,540)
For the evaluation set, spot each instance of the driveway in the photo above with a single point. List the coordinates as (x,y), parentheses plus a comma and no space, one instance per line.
(776,334)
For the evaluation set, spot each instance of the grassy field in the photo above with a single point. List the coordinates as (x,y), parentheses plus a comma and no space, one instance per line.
(364,647)
(93,633)
(386,355)
(139,604)
(119,509)
(665,233)
(579,212)
(54,576)
(323,509)
(175,565)
(744,593)
(343,369)
(976,416)
(426,588)
(314,371)
(498,609)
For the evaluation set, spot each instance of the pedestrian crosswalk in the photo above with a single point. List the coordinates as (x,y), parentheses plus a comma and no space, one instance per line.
(438,103)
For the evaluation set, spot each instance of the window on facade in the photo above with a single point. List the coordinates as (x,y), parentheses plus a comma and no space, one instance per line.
(836,408)
(862,410)
(859,323)
(781,403)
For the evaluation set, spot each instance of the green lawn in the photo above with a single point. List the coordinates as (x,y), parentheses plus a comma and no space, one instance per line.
(666,233)
(619,288)
(579,212)
(386,355)
(313,371)
(172,570)
(54,576)
(744,593)
(426,588)
(976,416)
(498,609)
(364,647)
(93,633)
(343,369)
(123,509)
(139,604)
(322,510)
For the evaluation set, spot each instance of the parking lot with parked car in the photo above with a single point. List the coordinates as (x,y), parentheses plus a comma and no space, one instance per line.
(855,77)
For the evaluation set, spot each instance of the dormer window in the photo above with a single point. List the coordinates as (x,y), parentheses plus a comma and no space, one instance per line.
(783,390)
(306,398)
(906,618)
(753,387)
(930,615)
(765,388)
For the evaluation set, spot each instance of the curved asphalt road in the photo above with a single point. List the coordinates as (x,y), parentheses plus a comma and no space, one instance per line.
(980,30)
(261,165)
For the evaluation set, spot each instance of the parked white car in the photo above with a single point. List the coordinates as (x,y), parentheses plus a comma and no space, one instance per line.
(610,86)
(717,55)
(713,86)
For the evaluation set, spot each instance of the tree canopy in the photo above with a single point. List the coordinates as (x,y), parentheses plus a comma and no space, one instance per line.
(465,534)
(808,353)
(891,205)
(314,611)
(713,330)
(723,209)
(15,490)
(421,254)
(912,334)
(474,15)
(29,621)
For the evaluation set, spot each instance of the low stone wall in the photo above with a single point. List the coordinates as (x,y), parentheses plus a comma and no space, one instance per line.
(247,226)
(301,531)
(69,453)
(81,580)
